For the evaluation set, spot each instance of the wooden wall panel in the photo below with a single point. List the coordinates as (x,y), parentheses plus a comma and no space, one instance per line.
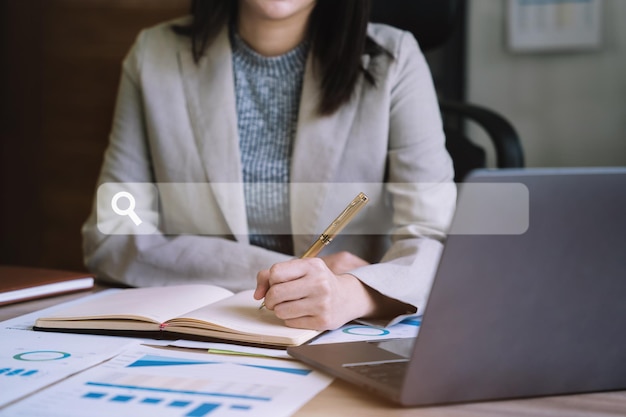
(20,224)
(63,71)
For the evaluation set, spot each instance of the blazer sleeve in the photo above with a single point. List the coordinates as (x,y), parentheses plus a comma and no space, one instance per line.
(420,182)
(158,259)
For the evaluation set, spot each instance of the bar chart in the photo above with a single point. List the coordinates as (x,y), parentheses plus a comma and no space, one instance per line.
(149,402)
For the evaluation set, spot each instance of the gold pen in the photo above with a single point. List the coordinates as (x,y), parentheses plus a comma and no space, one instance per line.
(334,228)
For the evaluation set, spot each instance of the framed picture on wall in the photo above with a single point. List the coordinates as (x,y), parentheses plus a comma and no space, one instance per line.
(554,25)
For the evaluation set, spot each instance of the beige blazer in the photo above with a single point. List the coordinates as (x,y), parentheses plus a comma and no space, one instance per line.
(175,122)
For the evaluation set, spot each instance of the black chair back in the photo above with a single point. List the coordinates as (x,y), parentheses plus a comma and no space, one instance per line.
(433,22)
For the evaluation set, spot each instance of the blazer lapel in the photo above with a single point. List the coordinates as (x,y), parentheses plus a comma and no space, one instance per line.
(209,90)
(319,145)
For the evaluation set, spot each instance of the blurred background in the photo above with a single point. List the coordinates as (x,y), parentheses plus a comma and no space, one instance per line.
(60,64)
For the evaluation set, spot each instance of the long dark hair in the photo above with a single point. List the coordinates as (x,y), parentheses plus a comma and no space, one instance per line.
(337,29)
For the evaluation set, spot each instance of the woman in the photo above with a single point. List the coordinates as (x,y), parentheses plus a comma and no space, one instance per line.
(270,92)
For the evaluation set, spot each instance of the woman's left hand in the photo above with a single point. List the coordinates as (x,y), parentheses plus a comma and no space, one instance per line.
(343,262)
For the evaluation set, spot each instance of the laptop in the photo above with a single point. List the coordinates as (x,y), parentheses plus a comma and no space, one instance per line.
(535,311)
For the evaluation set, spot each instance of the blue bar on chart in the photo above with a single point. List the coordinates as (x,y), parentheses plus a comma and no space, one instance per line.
(240,407)
(122,398)
(179,404)
(202,410)
(151,400)
(94,395)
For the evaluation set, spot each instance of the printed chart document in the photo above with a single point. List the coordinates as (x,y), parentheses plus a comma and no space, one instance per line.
(356,332)
(162,383)
(31,360)
(201,311)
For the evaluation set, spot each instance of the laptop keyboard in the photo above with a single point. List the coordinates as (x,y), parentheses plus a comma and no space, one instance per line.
(388,373)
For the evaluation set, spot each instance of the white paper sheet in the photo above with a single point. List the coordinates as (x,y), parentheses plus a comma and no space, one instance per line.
(231,349)
(356,332)
(32,360)
(159,382)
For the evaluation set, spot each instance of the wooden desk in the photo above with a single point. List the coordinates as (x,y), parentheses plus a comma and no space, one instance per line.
(342,399)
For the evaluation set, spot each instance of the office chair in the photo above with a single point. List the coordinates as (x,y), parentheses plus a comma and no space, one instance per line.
(433,22)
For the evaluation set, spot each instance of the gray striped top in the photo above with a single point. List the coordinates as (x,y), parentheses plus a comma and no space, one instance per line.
(268,93)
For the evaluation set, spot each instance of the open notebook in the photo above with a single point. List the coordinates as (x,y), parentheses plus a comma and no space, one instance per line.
(200,312)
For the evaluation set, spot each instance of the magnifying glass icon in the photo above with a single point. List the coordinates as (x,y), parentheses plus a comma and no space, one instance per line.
(130,211)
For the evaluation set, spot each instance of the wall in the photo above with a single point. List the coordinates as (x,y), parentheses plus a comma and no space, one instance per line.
(59,70)
(569,107)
